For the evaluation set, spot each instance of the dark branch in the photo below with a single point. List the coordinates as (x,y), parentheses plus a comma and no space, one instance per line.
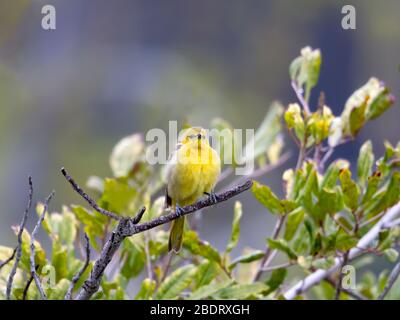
(18,249)
(129,226)
(76,277)
(88,199)
(27,286)
(392,279)
(3,263)
(32,247)
(340,279)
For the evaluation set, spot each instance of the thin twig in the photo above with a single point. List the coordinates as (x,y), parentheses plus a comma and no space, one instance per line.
(88,199)
(3,263)
(128,227)
(18,251)
(317,276)
(268,250)
(299,94)
(339,283)
(349,292)
(77,276)
(32,247)
(28,284)
(392,279)
(148,257)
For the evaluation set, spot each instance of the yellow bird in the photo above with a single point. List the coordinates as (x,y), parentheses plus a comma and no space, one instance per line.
(192,171)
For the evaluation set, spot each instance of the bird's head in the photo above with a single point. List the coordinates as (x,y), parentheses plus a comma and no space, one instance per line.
(194,135)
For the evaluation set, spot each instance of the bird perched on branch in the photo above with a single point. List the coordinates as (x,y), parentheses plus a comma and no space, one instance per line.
(192,171)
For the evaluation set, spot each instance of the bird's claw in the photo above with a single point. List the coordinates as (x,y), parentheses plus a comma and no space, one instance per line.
(179,210)
(212,196)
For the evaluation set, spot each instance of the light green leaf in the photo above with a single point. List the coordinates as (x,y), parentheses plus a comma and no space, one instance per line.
(267,198)
(127,152)
(247,258)
(175,283)
(351,191)
(241,291)
(234,239)
(209,290)
(365,163)
(276,279)
(391,254)
(196,246)
(58,292)
(283,246)
(294,219)
(146,290)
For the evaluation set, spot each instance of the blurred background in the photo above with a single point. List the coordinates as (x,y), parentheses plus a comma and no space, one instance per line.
(112,68)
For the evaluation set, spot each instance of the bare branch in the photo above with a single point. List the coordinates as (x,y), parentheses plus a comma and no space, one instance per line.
(88,199)
(32,247)
(76,277)
(392,279)
(128,227)
(18,249)
(317,276)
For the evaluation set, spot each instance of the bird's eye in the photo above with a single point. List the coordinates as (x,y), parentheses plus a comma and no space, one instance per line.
(192,136)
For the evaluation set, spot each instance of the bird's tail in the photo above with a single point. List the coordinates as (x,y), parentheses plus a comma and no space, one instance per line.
(176,235)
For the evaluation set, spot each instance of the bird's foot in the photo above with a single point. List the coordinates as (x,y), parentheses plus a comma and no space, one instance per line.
(179,210)
(212,196)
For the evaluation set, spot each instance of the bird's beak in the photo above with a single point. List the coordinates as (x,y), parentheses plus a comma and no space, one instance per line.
(199,136)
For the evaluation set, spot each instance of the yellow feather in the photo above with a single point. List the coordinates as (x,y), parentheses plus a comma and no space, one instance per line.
(193,170)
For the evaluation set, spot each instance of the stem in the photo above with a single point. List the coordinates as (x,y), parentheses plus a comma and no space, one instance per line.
(268,251)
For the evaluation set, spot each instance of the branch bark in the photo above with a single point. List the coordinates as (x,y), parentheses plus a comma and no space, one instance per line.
(32,248)
(18,250)
(316,277)
(129,226)
(76,277)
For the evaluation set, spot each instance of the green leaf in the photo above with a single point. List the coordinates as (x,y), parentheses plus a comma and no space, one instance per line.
(390,197)
(119,196)
(391,254)
(323,263)
(126,154)
(332,173)
(365,163)
(268,131)
(146,290)
(134,255)
(59,261)
(351,191)
(58,292)
(94,223)
(372,187)
(234,239)
(241,291)
(304,70)
(294,219)
(267,198)
(283,246)
(196,246)
(366,103)
(175,283)
(276,279)
(207,271)
(247,258)
(208,290)
(294,120)
(345,241)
